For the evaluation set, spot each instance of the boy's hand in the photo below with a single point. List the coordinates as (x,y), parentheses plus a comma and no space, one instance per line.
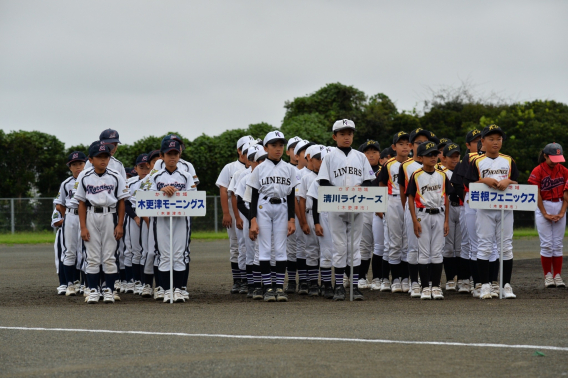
(147,221)
(239,222)
(503,184)
(306,228)
(227,220)
(137,220)
(380,215)
(169,190)
(253,231)
(291,227)
(417,228)
(118,232)
(85,234)
(490,182)
(446,228)
(319,230)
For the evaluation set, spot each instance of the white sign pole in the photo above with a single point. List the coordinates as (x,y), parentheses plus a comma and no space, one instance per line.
(171,261)
(352,216)
(501,257)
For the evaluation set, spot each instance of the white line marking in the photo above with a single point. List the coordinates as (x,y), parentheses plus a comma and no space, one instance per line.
(295,338)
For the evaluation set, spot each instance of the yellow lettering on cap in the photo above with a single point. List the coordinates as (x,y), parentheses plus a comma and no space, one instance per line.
(475,132)
(493,127)
(451,147)
(429,145)
(401,133)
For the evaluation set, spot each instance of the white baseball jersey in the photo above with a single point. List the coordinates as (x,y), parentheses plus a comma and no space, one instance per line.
(101,190)
(389,176)
(113,164)
(299,174)
(182,165)
(181,180)
(224,179)
(406,170)
(236,178)
(499,168)
(133,184)
(66,193)
(273,180)
(428,188)
(241,187)
(307,180)
(345,170)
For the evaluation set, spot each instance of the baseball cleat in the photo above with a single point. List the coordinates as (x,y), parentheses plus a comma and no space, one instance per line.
(291,288)
(357,295)
(363,283)
(339,294)
(236,287)
(116,296)
(458,286)
(107,295)
(415,291)
(93,296)
(451,286)
(405,286)
(146,291)
(476,291)
(314,290)
(250,291)
(437,293)
(396,286)
(281,295)
(184,293)
(270,295)
(61,290)
(117,285)
(81,289)
(558,281)
(138,287)
(464,287)
(257,294)
(508,292)
(159,293)
(304,288)
(376,284)
(77,285)
(178,296)
(70,292)
(167,296)
(549,281)
(244,287)
(129,288)
(86,291)
(495,290)
(328,291)
(485,291)
(386,285)
(426,294)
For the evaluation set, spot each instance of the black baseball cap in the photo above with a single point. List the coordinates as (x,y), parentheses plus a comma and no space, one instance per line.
(153,154)
(174,137)
(451,148)
(370,144)
(427,148)
(392,152)
(142,158)
(133,172)
(492,129)
(76,156)
(554,152)
(400,135)
(433,138)
(128,171)
(472,135)
(385,153)
(98,148)
(444,142)
(417,132)
(109,136)
(170,145)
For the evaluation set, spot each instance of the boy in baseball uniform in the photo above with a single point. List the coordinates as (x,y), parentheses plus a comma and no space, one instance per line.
(100,193)
(345,166)
(497,171)
(56,223)
(111,137)
(183,165)
(291,264)
(428,204)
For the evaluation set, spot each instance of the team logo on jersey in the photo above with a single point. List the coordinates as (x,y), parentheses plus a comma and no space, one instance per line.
(371,172)
(177,185)
(348,171)
(549,183)
(58,195)
(94,189)
(488,172)
(76,185)
(430,188)
(275,180)
(419,219)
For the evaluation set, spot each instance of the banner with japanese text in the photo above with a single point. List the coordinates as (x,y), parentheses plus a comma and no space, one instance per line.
(181,204)
(352,199)
(515,197)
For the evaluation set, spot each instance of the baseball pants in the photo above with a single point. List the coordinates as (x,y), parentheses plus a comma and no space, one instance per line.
(233,240)
(272,220)
(431,240)
(488,229)
(126,255)
(397,231)
(367,240)
(551,234)
(300,242)
(102,247)
(151,255)
(312,248)
(144,242)
(452,247)
(412,240)
(251,246)
(465,247)
(180,241)
(291,245)
(325,241)
(71,239)
(470,222)
(242,257)
(342,232)
(378,236)
(134,241)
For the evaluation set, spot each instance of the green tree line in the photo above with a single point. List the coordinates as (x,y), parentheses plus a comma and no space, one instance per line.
(33,162)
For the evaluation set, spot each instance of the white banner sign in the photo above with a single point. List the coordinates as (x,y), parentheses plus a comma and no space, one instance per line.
(181,204)
(353,199)
(515,197)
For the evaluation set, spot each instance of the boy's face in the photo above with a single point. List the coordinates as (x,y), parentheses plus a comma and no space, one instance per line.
(290,153)
(452,161)
(142,169)
(344,138)
(76,167)
(316,164)
(373,156)
(100,162)
(171,158)
(301,158)
(417,141)
(492,143)
(383,161)
(274,150)
(114,148)
(402,148)
(472,146)
(430,160)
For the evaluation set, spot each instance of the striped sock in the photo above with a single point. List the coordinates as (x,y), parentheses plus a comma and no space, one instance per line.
(236,271)
(303,274)
(355,278)
(280,280)
(257,277)
(326,275)
(243,275)
(313,274)
(338,279)
(273,276)
(267,279)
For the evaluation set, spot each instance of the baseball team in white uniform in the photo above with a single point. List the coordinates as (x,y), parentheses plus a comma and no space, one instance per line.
(277,236)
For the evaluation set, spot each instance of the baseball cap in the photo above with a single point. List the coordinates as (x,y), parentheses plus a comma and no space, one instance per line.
(98,148)
(472,135)
(260,154)
(128,171)
(243,140)
(302,145)
(314,149)
(427,148)
(170,145)
(385,153)
(370,144)
(492,129)
(142,158)
(433,138)
(451,148)
(400,135)
(273,136)
(133,172)
(153,154)
(554,152)
(292,142)
(392,152)
(444,142)
(417,132)
(174,137)
(343,124)
(251,152)
(109,136)
(76,156)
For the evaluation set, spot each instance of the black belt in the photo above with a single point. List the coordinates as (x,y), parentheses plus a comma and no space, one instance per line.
(73,211)
(394,195)
(100,209)
(275,200)
(308,211)
(431,211)
(455,204)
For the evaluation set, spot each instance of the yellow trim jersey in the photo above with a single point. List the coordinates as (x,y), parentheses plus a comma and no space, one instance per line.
(428,188)
(406,170)
(389,175)
(499,168)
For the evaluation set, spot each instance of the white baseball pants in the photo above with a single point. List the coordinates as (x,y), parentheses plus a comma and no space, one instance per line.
(488,229)
(452,247)
(470,222)
(431,240)
(397,231)
(133,240)
(242,257)
(312,248)
(342,231)
(378,235)
(272,220)
(325,241)
(102,247)
(367,242)
(465,247)
(151,255)
(412,240)
(71,239)
(180,241)
(291,245)
(551,234)
(233,240)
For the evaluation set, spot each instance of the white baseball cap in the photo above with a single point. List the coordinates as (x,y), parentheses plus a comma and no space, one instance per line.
(243,140)
(272,137)
(260,154)
(314,150)
(251,153)
(292,142)
(343,124)
(302,145)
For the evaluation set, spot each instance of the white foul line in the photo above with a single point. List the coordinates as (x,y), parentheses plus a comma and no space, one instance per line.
(296,338)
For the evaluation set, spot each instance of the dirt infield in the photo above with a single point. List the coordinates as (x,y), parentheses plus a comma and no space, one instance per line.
(187,339)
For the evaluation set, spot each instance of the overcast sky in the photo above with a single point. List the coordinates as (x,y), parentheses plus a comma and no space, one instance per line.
(74,68)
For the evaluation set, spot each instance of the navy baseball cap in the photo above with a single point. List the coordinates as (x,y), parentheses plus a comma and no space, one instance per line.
(416,133)
(370,144)
(98,148)
(142,158)
(392,152)
(174,137)
(128,171)
(472,135)
(427,148)
(444,142)
(170,145)
(400,135)
(133,172)
(450,149)
(492,129)
(153,154)
(109,136)
(76,156)
(385,153)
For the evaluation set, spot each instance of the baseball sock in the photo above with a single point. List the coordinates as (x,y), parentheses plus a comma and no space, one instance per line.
(436,274)
(83,278)
(449,268)
(77,275)
(494,270)
(243,275)
(302,269)
(136,271)
(110,279)
(463,269)
(102,277)
(424,274)
(386,270)
(473,268)
(413,271)
(178,279)
(339,276)
(348,271)
(273,274)
(185,275)
(356,270)
(546,264)
(69,273)
(313,274)
(377,266)
(395,271)
(129,273)
(257,276)
(165,280)
(291,266)
(122,275)
(280,274)
(61,274)
(403,270)
(148,279)
(507,271)
(483,271)
(326,276)
(364,268)
(250,277)
(236,272)
(266,274)
(556,264)
(158,277)
(93,280)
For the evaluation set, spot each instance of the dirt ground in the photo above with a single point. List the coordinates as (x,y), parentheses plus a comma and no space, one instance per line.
(192,342)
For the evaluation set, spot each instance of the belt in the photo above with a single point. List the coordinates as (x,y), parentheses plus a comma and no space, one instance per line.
(101,209)
(431,211)
(275,200)
(554,200)
(72,211)
(394,195)
(309,211)
(455,204)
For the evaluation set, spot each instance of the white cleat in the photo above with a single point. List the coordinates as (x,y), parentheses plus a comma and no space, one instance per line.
(146,291)
(363,283)
(82,289)
(116,296)
(426,293)
(93,296)
(184,294)
(415,290)
(465,287)
(386,285)
(107,296)
(167,296)
(476,291)
(405,285)
(458,286)
(396,286)
(376,284)
(558,281)
(130,286)
(451,286)
(549,281)
(137,287)
(86,291)
(485,291)
(508,292)
(61,290)
(77,286)
(159,293)
(117,285)
(70,292)
(437,293)
(178,296)
(494,290)
(123,286)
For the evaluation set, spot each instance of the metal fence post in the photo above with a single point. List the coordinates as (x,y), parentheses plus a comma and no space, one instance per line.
(12,219)
(215,212)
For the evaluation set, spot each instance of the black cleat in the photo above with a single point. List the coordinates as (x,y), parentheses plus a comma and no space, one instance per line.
(291,288)
(257,294)
(244,287)
(236,287)
(328,292)
(270,295)
(314,290)
(281,295)
(250,291)
(304,288)
(357,295)
(339,293)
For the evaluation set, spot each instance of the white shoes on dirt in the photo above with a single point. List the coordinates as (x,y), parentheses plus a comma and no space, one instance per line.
(146,291)
(363,283)
(437,293)
(396,287)
(549,281)
(508,292)
(70,292)
(464,287)
(476,292)
(485,292)
(93,296)
(108,297)
(415,290)
(159,293)
(386,285)
(61,290)
(558,281)
(494,290)
(405,285)
(376,284)
(426,293)
(129,288)
(451,286)
(137,288)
